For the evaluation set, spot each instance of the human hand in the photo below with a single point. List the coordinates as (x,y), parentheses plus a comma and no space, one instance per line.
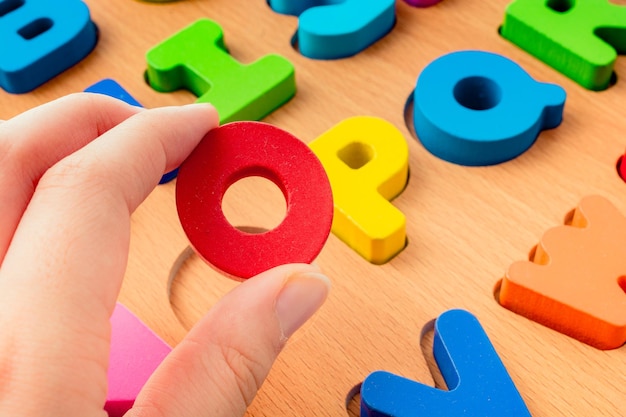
(71,173)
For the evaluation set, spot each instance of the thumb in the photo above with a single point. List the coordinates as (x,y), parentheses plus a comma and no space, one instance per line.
(220,365)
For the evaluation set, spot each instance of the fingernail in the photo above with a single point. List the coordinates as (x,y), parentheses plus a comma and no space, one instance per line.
(207,107)
(199,106)
(299,299)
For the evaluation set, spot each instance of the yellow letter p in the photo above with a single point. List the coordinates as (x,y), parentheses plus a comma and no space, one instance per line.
(366,159)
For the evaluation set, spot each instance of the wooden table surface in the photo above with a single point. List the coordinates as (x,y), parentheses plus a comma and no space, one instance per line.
(465,226)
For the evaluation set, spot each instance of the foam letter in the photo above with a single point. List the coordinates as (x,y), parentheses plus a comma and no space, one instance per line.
(245,149)
(575,281)
(196,59)
(41,39)
(135,353)
(338,28)
(578,38)
(478,382)
(479,108)
(366,159)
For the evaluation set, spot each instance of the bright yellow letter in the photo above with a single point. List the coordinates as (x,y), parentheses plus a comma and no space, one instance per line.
(367,162)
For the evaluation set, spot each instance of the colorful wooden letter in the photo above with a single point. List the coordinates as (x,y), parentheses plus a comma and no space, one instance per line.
(135,353)
(196,59)
(575,281)
(578,38)
(111,88)
(40,39)
(367,161)
(245,149)
(479,108)
(331,29)
(478,382)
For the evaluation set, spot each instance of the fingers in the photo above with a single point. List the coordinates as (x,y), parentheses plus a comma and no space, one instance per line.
(72,245)
(37,139)
(218,368)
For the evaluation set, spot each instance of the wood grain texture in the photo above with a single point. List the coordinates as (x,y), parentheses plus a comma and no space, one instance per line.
(465,226)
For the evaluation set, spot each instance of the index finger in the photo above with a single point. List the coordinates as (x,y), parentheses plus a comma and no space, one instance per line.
(63,270)
(33,141)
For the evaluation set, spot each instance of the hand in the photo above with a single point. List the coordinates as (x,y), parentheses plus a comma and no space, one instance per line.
(71,173)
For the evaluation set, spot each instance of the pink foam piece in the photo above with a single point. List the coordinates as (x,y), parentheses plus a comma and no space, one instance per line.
(422,3)
(136,352)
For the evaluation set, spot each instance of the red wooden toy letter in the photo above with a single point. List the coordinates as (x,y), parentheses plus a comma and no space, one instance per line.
(245,149)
